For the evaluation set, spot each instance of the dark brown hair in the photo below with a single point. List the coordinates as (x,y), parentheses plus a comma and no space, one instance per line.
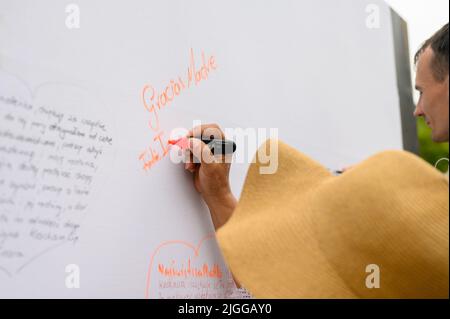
(439,44)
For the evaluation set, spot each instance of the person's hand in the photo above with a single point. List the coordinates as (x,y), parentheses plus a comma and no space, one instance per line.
(211,174)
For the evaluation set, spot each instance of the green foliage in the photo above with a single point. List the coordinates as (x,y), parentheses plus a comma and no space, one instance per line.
(430,151)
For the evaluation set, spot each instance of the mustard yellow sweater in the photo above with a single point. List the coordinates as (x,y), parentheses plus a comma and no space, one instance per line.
(380,230)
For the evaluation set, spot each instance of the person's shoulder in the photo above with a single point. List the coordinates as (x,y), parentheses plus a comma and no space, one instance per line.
(399,163)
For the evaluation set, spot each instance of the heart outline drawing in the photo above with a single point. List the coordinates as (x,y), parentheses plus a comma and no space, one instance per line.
(30,95)
(193,248)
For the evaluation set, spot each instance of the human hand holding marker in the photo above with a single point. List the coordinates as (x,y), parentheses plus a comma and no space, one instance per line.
(211,172)
(217,146)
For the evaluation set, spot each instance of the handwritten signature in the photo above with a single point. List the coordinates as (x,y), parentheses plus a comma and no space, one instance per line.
(155,102)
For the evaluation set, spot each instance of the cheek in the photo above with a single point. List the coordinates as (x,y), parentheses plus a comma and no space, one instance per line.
(431,102)
(446,97)
(436,105)
(441,100)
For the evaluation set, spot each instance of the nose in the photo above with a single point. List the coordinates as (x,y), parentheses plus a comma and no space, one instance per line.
(418,111)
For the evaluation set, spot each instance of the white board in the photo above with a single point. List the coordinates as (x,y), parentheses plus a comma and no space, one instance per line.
(75,198)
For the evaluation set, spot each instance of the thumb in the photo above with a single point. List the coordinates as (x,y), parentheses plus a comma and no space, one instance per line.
(200,151)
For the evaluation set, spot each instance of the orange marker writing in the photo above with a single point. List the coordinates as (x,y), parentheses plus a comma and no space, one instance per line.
(217,146)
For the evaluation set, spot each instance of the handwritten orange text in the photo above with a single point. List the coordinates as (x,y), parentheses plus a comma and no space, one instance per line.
(155,102)
(189,271)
